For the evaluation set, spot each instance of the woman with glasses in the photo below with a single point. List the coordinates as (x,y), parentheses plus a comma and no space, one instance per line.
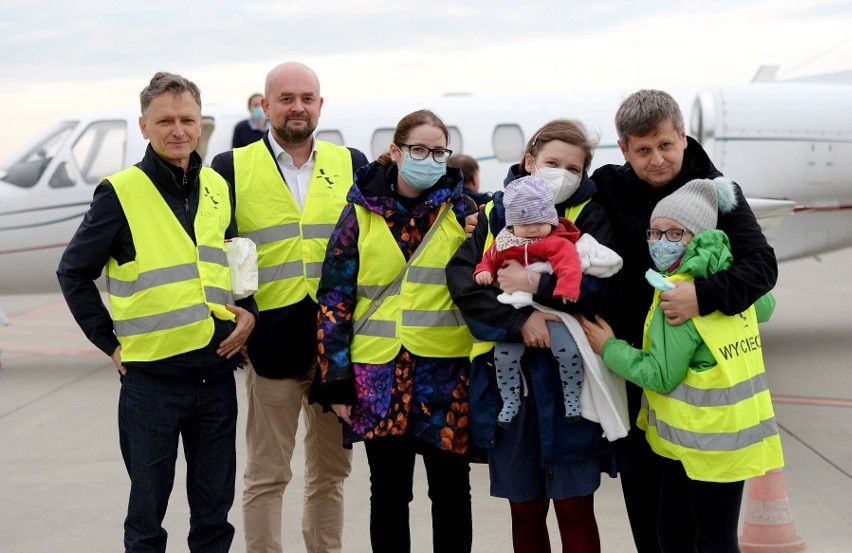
(393,347)
(540,456)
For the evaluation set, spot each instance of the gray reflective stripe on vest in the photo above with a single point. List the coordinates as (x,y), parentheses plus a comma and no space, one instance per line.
(273,234)
(209,254)
(725,441)
(313,270)
(427,275)
(432,318)
(720,396)
(382,329)
(163,321)
(149,279)
(317,231)
(218,295)
(370,292)
(421,275)
(279,272)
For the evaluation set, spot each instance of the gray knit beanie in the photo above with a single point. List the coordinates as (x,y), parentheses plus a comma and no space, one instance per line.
(529,200)
(696,204)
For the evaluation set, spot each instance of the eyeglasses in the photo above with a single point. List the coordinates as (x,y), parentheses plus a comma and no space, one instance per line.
(671,234)
(419,151)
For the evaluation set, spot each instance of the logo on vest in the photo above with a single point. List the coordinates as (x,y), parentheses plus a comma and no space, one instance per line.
(322,176)
(214,198)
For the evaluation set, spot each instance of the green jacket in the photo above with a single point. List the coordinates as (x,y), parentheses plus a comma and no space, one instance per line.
(677,348)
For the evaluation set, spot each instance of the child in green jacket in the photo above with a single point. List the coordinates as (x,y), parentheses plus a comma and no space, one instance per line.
(706,407)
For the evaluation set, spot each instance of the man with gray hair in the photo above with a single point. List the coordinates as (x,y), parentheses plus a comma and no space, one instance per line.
(660,159)
(173,331)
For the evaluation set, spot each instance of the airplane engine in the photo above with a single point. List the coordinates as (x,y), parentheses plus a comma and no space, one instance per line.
(791,142)
(780,142)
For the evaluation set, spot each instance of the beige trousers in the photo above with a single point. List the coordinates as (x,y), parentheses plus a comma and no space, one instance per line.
(272,420)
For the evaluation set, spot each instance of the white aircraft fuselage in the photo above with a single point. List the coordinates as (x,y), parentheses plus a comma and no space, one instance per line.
(788,145)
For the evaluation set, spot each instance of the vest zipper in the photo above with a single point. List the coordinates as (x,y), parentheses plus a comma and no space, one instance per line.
(185,197)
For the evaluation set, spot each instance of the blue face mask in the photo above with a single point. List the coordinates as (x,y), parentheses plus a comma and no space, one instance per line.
(257,113)
(421,173)
(665,253)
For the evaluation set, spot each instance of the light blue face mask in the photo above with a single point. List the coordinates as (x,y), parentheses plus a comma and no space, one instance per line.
(658,281)
(665,253)
(421,173)
(257,113)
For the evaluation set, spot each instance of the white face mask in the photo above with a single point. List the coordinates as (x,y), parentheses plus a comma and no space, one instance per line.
(563,183)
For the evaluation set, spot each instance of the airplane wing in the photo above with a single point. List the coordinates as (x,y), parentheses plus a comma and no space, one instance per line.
(770,213)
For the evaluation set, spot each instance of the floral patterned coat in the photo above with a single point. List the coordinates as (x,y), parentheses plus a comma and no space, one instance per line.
(423,396)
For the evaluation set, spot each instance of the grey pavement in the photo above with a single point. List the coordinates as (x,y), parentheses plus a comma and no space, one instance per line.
(63,486)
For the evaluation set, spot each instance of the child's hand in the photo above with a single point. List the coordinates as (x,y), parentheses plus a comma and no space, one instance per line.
(566,299)
(597,332)
(484,278)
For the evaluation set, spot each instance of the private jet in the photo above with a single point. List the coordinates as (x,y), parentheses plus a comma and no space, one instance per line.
(788,144)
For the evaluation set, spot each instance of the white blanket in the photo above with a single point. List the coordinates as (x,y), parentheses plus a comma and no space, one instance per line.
(603,397)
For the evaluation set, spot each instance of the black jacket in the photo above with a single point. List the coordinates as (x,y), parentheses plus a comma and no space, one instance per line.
(105,233)
(283,343)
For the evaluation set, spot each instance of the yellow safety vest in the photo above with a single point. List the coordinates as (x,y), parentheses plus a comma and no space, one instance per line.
(719,423)
(161,301)
(290,245)
(571,213)
(421,316)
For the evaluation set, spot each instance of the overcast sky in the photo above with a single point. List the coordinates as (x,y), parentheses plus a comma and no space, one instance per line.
(58,58)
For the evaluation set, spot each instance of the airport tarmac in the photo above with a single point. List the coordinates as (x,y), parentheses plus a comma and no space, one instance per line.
(63,486)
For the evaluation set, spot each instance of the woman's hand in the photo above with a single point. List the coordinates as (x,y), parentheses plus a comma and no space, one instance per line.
(343,412)
(535,332)
(512,276)
(470,223)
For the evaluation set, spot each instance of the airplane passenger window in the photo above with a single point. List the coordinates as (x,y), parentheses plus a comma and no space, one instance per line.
(99,151)
(26,169)
(508,141)
(456,143)
(335,137)
(207,126)
(381,141)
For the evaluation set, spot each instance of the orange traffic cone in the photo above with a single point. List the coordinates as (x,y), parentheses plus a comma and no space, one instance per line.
(768,525)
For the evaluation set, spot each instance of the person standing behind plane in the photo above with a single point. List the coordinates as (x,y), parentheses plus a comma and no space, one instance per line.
(174,336)
(470,171)
(541,456)
(254,128)
(660,159)
(290,189)
(392,345)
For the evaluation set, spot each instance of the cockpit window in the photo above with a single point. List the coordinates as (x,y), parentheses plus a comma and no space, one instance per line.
(26,168)
(99,151)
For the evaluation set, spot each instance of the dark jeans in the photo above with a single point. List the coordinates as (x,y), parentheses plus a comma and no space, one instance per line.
(153,412)
(698,516)
(391,490)
(640,483)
